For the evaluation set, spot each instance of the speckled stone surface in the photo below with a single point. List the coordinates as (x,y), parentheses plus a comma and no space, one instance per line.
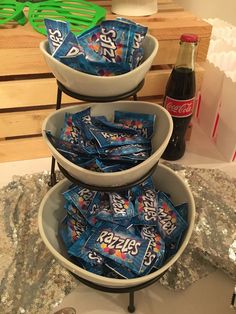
(33,282)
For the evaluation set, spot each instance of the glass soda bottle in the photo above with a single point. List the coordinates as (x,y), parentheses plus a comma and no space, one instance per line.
(180,95)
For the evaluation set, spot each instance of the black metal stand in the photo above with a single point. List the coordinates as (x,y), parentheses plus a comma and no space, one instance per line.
(61,88)
(53,181)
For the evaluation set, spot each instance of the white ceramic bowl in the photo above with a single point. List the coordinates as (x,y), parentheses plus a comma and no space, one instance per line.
(98,86)
(51,212)
(162,132)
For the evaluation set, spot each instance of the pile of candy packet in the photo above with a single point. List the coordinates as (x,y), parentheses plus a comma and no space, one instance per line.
(114,47)
(94,143)
(122,235)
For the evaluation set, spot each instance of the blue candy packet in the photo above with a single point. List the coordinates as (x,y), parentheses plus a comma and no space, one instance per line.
(182,209)
(119,159)
(68,48)
(78,63)
(91,257)
(104,124)
(123,150)
(109,139)
(125,223)
(71,230)
(79,245)
(121,271)
(81,198)
(122,208)
(115,37)
(94,267)
(157,249)
(56,33)
(74,213)
(108,167)
(93,165)
(138,189)
(139,156)
(99,209)
(100,200)
(92,261)
(169,223)
(143,123)
(124,20)
(108,69)
(71,150)
(146,208)
(105,214)
(134,229)
(109,273)
(136,50)
(63,231)
(75,227)
(70,131)
(62,145)
(83,116)
(84,120)
(90,42)
(92,46)
(120,246)
(172,248)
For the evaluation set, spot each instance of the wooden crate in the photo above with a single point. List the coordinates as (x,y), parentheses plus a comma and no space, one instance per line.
(28,89)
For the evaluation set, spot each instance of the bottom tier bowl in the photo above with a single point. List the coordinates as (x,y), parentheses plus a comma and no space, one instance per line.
(51,212)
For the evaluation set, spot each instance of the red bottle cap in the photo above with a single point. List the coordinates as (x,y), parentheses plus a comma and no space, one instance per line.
(189,38)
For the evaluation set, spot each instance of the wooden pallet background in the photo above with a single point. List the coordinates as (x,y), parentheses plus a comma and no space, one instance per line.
(28,89)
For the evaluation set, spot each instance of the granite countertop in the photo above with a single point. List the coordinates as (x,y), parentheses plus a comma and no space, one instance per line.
(32,281)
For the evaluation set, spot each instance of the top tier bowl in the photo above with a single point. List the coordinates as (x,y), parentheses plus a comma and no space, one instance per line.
(101,86)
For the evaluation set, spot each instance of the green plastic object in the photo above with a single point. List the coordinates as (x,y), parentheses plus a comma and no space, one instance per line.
(80,14)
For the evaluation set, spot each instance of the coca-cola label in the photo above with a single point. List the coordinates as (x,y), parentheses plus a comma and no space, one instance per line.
(179,108)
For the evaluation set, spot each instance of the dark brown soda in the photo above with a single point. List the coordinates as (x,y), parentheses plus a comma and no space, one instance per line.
(181,86)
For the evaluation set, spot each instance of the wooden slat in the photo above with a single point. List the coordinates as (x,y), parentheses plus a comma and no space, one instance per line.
(160,25)
(22,123)
(168,50)
(164,30)
(23,149)
(20,37)
(22,61)
(42,92)
(31,61)
(156,80)
(30,93)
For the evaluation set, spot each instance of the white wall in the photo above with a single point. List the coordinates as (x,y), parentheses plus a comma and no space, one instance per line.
(222,9)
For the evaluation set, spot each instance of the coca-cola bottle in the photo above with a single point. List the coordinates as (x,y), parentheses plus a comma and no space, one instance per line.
(180,95)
